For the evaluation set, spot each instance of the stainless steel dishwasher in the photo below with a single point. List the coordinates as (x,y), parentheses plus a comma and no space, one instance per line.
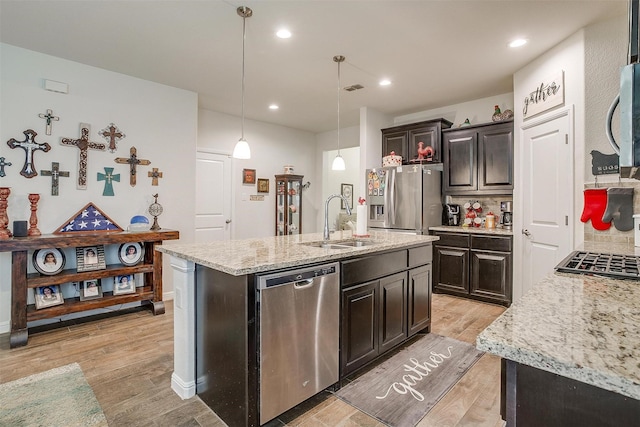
(299,336)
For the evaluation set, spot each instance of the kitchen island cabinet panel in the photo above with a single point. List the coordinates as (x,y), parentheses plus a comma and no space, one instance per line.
(419,309)
(359,325)
(393,306)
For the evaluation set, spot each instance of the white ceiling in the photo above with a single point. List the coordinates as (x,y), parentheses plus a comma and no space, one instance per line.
(436,53)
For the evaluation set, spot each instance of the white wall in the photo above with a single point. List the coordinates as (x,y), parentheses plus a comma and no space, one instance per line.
(158,120)
(272,147)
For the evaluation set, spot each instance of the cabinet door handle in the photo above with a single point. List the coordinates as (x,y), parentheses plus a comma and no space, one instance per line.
(526,232)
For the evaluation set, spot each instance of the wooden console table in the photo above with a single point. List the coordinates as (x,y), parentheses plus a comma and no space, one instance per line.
(21,281)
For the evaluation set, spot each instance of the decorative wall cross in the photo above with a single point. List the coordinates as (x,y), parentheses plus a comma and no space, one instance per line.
(2,165)
(49,117)
(133,161)
(29,145)
(112,134)
(54,173)
(155,174)
(83,145)
(108,177)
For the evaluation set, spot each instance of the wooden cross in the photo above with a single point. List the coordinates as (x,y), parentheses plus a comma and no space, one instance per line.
(112,134)
(108,177)
(54,173)
(83,144)
(49,117)
(155,174)
(29,145)
(2,165)
(133,161)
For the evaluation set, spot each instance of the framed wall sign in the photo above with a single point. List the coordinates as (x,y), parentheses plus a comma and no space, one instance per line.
(131,253)
(90,289)
(248,176)
(90,258)
(549,93)
(263,185)
(347,191)
(49,261)
(48,296)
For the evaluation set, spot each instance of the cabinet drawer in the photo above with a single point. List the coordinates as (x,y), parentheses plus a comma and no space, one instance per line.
(420,256)
(502,244)
(453,239)
(373,267)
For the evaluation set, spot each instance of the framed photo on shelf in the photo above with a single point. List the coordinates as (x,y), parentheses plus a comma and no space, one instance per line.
(125,284)
(89,258)
(90,289)
(248,176)
(49,261)
(347,191)
(263,185)
(131,253)
(48,296)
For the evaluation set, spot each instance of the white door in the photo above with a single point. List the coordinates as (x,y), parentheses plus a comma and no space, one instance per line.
(213,197)
(547,194)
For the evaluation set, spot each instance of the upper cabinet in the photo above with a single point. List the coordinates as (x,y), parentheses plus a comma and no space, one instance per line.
(404,140)
(478,159)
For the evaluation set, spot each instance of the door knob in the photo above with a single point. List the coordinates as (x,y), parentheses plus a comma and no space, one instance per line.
(228,221)
(526,232)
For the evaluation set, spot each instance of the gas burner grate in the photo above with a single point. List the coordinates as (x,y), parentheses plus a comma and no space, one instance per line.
(609,265)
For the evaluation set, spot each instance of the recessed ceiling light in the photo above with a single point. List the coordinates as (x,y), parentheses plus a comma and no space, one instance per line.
(273,107)
(283,33)
(518,42)
(385,82)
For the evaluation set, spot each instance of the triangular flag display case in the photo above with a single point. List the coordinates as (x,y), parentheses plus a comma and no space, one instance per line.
(88,219)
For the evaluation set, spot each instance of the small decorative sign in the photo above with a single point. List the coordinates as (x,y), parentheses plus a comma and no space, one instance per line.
(263,185)
(604,164)
(256,198)
(549,94)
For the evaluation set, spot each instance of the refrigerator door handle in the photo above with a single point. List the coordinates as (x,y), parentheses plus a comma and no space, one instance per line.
(391,197)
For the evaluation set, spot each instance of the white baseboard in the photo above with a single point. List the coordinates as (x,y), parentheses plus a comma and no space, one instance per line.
(5,327)
(183,389)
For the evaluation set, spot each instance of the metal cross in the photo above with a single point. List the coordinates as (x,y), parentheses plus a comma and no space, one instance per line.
(54,173)
(29,145)
(49,117)
(133,161)
(108,177)
(155,174)
(2,165)
(112,134)
(83,144)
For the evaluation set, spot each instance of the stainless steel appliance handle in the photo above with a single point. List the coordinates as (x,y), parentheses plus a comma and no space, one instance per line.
(607,129)
(302,284)
(391,194)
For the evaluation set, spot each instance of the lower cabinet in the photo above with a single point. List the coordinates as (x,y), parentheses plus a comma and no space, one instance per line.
(380,314)
(474,266)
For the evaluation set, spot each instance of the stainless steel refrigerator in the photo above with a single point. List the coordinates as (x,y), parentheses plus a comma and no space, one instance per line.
(405,198)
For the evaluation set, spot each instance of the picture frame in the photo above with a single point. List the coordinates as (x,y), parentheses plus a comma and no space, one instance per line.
(48,296)
(89,258)
(263,185)
(248,176)
(90,289)
(346,190)
(49,261)
(124,284)
(131,253)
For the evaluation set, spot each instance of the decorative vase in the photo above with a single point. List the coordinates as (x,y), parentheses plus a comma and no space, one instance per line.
(4,219)
(497,114)
(33,220)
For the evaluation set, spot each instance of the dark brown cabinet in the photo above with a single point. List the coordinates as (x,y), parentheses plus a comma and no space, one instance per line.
(403,140)
(474,266)
(478,159)
(381,313)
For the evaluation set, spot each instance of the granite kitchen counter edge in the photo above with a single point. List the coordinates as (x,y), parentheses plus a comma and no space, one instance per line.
(247,256)
(581,327)
(472,230)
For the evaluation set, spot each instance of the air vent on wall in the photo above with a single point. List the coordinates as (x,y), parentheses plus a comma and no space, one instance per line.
(353,87)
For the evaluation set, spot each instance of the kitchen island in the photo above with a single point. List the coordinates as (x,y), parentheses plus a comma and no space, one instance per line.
(571,353)
(384,278)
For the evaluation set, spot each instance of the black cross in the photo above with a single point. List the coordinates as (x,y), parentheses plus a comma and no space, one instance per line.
(49,117)
(29,145)
(2,165)
(54,173)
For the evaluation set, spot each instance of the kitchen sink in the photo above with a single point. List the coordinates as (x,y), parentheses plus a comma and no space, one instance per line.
(340,244)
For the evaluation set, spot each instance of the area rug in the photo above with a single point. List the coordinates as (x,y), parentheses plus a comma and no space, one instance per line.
(58,397)
(402,390)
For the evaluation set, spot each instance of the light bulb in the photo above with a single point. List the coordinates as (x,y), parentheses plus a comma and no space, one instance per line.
(242,150)
(338,163)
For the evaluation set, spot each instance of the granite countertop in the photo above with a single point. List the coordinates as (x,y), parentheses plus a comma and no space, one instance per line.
(581,327)
(239,257)
(472,230)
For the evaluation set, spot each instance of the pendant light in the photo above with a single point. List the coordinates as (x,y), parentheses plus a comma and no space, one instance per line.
(338,162)
(242,150)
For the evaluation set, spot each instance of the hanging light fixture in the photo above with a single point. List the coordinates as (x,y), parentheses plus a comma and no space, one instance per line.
(242,150)
(338,162)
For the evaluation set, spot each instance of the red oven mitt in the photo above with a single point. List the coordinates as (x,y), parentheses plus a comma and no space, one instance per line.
(595,204)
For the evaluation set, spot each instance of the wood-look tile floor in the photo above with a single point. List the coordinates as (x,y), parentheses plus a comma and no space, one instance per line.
(128,361)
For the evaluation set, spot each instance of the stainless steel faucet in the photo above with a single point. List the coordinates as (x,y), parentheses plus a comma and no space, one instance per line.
(326,213)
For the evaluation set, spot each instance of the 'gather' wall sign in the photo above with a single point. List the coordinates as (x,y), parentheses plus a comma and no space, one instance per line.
(549,94)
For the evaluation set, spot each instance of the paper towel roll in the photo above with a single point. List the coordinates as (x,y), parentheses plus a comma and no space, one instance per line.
(361,225)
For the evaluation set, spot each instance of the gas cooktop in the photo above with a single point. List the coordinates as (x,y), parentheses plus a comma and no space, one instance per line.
(599,264)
